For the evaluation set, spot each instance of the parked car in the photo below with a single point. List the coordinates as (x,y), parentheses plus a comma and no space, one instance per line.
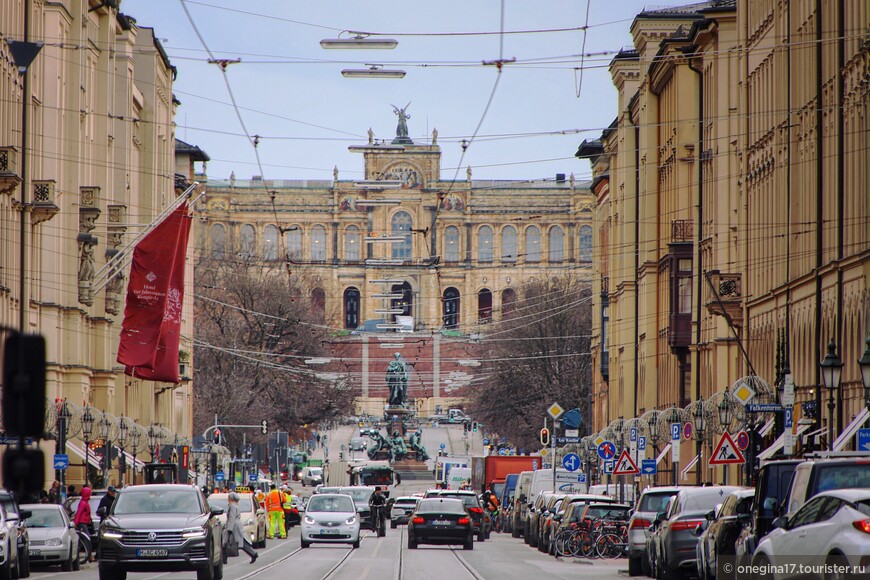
(675,538)
(545,520)
(331,518)
(160,527)
(440,520)
(719,534)
(814,476)
(311,476)
(19,517)
(10,565)
(534,516)
(831,528)
(774,479)
(652,501)
(253,517)
(53,538)
(401,510)
(479,517)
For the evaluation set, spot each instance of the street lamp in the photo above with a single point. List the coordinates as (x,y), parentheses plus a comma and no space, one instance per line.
(87,429)
(725,413)
(153,437)
(104,425)
(135,441)
(864,363)
(63,419)
(831,367)
(123,430)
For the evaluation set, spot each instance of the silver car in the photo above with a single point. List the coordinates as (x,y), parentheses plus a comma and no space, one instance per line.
(53,538)
(652,501)
(330,518)
(10,565)
(402,509)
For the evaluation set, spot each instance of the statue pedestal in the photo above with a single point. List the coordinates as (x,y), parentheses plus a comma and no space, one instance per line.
(400,412)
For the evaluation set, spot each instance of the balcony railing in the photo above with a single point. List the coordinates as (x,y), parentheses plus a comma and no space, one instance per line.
(681,231)
(9,178)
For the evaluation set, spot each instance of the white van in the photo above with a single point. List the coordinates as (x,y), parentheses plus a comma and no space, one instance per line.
(521,502)
(612,490)
(311,476)
(566,482)
(457,476)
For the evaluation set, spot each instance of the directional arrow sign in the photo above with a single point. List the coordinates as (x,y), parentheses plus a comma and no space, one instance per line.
(726,452)
(571,462)
(648,467)
(625,465)
(863,439)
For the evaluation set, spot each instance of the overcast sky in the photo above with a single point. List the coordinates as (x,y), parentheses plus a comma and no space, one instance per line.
(528,120)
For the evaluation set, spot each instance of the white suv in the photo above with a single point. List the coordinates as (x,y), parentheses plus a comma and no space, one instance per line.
(311,476)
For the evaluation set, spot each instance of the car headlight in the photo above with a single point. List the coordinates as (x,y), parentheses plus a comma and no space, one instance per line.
(350,521)
(309,520)
(112,534)
(54,542)
(249,522)
(195,533)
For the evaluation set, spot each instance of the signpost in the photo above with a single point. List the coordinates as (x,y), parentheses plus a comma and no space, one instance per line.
(742,440)
(726,452)
(788,424)
(607,450)
(676,430)
(61,461)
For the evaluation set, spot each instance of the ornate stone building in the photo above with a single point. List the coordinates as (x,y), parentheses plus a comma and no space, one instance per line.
(405,252)
(97,160)
(732,209)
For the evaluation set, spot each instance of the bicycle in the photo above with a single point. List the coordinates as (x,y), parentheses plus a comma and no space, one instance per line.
(85,549)
(496,521)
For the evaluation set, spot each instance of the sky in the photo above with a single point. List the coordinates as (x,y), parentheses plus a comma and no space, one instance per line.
(524,122)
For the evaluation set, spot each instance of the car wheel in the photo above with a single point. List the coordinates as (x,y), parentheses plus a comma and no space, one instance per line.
(392,524)
(24,566)
(305,544)
(67,566)
(760,562)
(15,572)
(107,573)
(634,567)
(469,545)
(412,545)
(355,545)
(645,567)
(515,532)
(834,562)
(481,536)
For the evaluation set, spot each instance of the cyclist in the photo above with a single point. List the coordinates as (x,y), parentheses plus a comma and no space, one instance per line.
(377,504)
(490,503)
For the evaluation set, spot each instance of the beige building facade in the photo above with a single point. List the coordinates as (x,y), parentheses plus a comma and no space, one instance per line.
(731,223)
(95,163)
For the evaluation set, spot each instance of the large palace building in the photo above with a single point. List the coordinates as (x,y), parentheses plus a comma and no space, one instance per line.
(403,254)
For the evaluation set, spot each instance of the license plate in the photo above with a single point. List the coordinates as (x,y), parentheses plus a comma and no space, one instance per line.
(441,522)
(330,532)
(151,553)
(35,552)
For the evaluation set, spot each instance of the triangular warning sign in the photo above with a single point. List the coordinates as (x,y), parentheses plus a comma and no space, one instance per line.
(625,465)
(726,452)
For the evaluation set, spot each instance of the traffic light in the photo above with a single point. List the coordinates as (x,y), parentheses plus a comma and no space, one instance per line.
(217,436)
(465,427)
(474,426)
(545,436)
(264,427)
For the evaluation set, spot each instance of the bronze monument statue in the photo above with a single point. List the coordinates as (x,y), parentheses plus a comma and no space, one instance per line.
(402,137)
(397,381)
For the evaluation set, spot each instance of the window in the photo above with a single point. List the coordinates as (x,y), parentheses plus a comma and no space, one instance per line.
(685,295)
(318,243)
(585,254)
(294,243)
(509,244)
(484,244)
(533,244)
(508,302)
(451,244)
(484,305)
(351,308)
(352,244)
(556,245)
(402,227)
(808,513)
(405,301)
(270,243)
(451,308)
(246,241)
(218,240)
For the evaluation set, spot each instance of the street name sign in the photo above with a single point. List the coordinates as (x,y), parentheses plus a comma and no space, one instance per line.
(764,408)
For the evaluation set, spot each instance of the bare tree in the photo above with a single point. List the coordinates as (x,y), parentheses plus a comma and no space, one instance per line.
(538,355)
(255,326)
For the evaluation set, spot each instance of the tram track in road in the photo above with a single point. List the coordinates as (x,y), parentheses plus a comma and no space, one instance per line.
(330,573)
(400,570)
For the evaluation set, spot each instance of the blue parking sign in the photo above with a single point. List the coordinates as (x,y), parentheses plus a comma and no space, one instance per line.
(219,476)
(641,443)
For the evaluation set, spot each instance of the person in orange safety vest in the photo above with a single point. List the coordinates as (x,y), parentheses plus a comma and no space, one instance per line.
(275,509)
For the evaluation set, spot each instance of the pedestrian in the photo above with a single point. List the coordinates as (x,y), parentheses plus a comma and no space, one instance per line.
(54,492)
(71,491)
(108,500)
(234,527)
(275,509)
(287,506)
(83,520)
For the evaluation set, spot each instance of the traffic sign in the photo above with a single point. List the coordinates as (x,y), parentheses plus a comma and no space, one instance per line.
(743,391)
(648,467)
(566,440)
(9,440)
(608,466)
(571,462)
(581,478)
(442,446)
(676,428)
(264,427)
(219,476)
(607,450)
(632,434)
(788,418)
(61,460)
(687,430)
(625,465)
(555,410)
(726,452)
(252,477)
(485,441)
(641,443)
(598,441)
(863,439)
(742,440)
(765,408)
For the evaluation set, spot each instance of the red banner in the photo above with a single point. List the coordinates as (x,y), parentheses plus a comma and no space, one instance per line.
(152,318)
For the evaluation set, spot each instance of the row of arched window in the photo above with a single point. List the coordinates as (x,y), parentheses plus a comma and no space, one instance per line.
(507,250)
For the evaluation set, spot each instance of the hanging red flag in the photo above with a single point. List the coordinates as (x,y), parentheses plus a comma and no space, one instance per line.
(152,316)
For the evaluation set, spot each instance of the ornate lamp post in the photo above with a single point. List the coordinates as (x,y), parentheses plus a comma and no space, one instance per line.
(864,363)
(64,415)
(87,429)
(135,443)
(123,430)
(652,422)
(831,367)
(725,414)
(153,439)
(105,425)
(699,422)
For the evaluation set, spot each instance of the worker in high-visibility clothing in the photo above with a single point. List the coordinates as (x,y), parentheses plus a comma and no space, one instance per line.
(288,506)
(275,508)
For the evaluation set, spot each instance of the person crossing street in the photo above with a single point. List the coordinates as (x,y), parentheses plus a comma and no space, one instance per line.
(275,509)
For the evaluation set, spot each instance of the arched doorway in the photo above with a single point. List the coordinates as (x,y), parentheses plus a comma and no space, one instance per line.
(351,308)
(451,308)
(484,305)
(405,302)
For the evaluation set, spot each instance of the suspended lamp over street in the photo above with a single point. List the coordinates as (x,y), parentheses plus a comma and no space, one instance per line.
(361,40)
(375,71)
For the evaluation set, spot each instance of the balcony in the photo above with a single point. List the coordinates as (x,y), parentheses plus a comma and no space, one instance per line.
(44,206)
(9,178)
(681,231)
(729,287)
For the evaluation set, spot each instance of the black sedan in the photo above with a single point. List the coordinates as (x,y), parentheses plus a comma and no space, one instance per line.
(719,533)
(440,521)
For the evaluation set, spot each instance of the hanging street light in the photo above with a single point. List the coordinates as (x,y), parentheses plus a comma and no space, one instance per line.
(104,425)
(725,413)
(359,40)
(831,368)
(153,438)
(374,71)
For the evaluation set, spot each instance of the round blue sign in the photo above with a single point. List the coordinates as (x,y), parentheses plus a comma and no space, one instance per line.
(571,462)
(607,450)
(742,440)
(443,445)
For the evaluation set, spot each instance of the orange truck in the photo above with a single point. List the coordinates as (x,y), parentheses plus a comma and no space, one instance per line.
(490,472)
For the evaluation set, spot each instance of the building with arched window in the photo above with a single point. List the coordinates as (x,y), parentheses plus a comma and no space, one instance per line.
(404,251)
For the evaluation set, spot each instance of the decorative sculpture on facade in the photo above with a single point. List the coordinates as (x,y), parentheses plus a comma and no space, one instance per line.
(397,381)
(402,137)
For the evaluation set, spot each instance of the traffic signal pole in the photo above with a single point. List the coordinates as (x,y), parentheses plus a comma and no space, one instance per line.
(553,451)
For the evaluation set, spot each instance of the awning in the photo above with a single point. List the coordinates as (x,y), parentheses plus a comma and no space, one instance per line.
(768,427)
(779,444)
(662,454)
(815,433)
(690,465)
(80,451)
(851,429)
